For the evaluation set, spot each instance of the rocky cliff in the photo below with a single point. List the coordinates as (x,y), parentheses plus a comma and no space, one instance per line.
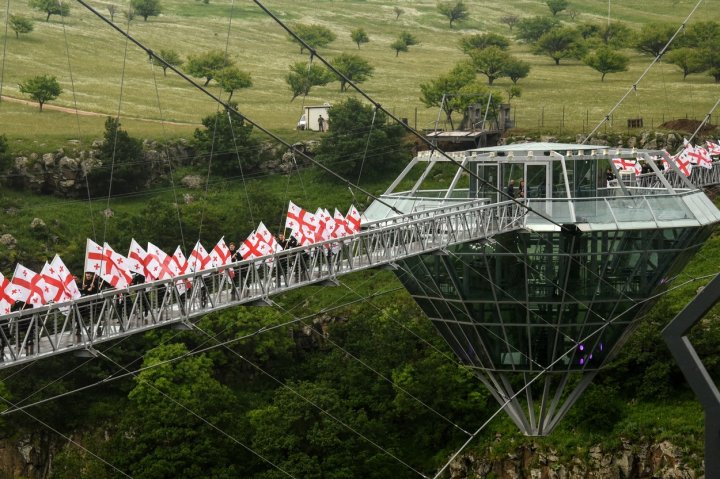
(630,461)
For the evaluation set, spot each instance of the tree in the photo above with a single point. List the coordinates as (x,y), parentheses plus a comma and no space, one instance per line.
(146,8)
(231,79)
(653,37)
(557,6)
(359,36)
(398,11)
(404,41)
(355,69)
(207,65)
(302,78)
(439,92)
(20,24)
(516,69)
(615,34)
(701,34)
(510,20)
(491,62)
(124,155)
(399,46)
(560,43)
(228,138)
(606,60)
(172,58)
(315,36)
(51,7)
(529,30)
(343,150)
(454,11)
(41,88)
(689,60)
(711,56)
(166,439)
(112,10)
(573,14)
(483,40)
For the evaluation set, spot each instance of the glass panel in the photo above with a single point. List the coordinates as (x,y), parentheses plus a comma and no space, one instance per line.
(535,183)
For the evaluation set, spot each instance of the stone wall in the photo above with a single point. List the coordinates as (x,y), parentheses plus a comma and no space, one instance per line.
(646,461)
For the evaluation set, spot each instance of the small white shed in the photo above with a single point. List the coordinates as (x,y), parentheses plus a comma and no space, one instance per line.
(310,119)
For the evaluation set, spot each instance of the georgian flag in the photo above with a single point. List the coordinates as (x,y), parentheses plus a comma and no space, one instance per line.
(70,287)
(341,225)
(268,237)
(221,256)
(160,265)
(53,290)
(119,276)
(182,267)
(713,148)
(702,157)
(104,262)
(683,163)
(624,165)
(199,259)
(254,247)
(302,224)
(353,219)
(638,168)
(137,259)
(325,227)
(27,286)
(6,299)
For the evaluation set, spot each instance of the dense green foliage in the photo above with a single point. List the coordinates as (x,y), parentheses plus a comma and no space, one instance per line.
(314,36)
(362,141)
(122,163)
(226,142)
(207,65)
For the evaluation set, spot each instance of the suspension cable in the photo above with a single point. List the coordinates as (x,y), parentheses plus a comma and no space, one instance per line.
(68,438)
(705,120)
(5,42)
(227,106)
(410,129)
(633,87)
(77,121)
(316,405)
(117,133)
(167,154)
(367,144)
(198,416)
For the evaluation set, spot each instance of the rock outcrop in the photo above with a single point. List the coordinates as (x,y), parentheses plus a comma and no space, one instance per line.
(630,461)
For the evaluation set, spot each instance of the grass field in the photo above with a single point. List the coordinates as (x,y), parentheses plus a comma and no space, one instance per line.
(103,68)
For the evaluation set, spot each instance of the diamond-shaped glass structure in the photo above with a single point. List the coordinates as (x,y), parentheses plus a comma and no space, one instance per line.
(538,311)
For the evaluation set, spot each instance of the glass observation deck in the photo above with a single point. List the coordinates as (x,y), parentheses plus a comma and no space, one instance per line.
(558,297)
(561,183)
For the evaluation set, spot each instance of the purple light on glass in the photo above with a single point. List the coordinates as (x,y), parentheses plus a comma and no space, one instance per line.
(581,347)
(582,361)
(601,346)
(590,357)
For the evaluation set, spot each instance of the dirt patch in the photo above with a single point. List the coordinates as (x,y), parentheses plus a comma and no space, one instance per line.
(688,126)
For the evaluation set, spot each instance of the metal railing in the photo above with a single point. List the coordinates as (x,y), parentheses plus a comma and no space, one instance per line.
(699,177)
(57,328)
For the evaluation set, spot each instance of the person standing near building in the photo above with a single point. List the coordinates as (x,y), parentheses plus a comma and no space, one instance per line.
(321,123)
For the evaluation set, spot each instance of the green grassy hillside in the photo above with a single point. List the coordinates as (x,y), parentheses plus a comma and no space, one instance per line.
(101,66)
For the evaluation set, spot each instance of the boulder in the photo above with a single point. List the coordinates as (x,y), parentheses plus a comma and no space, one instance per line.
(37,224)
(8,240)
(193,182)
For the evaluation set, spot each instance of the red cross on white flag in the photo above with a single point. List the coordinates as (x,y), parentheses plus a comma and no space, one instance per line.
(302,224)
(199,258)
(70,287)
(6,300)
(137,258)
(27,286)
(160,265)
(53,290)
(353,219)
